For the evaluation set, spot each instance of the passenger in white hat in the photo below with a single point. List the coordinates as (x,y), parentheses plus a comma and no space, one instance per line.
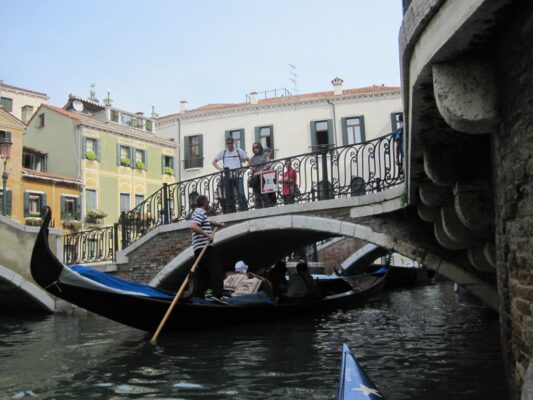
(240,266)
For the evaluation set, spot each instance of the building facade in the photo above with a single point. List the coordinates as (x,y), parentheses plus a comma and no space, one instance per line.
(22,103)
(289,125)
(114,153)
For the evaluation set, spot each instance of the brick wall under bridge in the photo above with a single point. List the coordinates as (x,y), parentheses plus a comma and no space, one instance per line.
(261,237)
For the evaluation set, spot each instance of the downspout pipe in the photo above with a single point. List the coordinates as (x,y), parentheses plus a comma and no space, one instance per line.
(334,123)
(179,150)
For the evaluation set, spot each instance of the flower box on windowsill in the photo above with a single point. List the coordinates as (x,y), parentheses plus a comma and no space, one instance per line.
(139,165)
(72,225)
(125,162)
(33,221)
(169,171)
(95,216)
(90,155)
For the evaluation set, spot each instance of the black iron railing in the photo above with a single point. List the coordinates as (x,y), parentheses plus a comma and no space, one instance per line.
(91,246)
(327,173)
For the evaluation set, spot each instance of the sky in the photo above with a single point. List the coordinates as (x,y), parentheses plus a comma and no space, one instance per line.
(160,52)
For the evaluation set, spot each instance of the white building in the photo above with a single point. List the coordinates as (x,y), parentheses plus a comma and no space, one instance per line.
(290,125)
(21,103)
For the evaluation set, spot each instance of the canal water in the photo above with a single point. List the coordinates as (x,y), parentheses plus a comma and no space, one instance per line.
(421,343)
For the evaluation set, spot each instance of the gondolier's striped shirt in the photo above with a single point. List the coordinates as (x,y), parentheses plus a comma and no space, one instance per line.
(199,216)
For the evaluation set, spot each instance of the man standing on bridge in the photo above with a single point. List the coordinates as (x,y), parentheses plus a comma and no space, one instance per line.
(208,269)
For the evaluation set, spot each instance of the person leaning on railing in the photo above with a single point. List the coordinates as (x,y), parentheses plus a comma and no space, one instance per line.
(289,183)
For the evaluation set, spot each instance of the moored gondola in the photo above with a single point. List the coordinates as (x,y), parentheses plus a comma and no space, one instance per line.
(143,306)
(354,384)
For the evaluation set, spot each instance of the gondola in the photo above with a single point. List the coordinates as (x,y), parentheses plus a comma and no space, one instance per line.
(354,384)
(142,306)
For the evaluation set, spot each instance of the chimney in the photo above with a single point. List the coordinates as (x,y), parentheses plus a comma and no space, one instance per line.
(253,98)
(184,106)
(337,86)
(139,113)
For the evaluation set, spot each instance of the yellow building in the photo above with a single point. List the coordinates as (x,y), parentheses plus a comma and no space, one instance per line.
(29,187)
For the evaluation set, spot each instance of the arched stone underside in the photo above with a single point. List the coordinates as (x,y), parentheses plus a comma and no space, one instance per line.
(261,242)
(17,295)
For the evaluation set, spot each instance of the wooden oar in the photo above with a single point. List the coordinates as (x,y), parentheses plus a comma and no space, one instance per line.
(178,295)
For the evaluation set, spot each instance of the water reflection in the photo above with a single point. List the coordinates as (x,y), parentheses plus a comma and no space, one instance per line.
(415,344)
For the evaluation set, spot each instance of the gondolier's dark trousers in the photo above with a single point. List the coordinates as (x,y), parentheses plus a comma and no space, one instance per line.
(209,274)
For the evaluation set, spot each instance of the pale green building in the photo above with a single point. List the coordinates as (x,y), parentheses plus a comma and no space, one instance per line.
(116,154)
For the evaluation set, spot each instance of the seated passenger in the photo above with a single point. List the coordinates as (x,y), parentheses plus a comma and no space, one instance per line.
(278,279)
(301,283)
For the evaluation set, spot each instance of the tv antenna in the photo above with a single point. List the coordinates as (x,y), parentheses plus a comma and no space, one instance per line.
(293,77)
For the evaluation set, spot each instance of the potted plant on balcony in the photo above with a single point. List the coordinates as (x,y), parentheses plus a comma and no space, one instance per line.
(34,219)
(72,225)
(169,171)
(125,161)
(90,155)
(95,216)
(139,164)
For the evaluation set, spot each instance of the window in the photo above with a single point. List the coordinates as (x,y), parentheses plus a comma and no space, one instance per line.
(353,130)
(265,136)
(167,164)
(91,149)
(149,125)
(70,208)
(27,112)
(114,115)
(139,198)
(8,202)
(90,199)
(126,119)
(124,202)
(193,152)
(34,160)
(7,103)
(5,135)
(124,155)
(321,134)
(41,121)
(139,160)
(395,120)
(238,138)
(33,203)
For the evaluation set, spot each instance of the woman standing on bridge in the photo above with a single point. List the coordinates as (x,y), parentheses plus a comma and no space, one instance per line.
(289,183)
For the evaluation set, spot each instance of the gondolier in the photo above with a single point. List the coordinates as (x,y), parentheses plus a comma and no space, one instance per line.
(208,270)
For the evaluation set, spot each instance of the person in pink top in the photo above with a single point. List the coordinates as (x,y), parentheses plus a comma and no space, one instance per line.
(289,183)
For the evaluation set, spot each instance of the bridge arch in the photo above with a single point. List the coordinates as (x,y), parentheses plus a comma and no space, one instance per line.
(260,242)
(17,293)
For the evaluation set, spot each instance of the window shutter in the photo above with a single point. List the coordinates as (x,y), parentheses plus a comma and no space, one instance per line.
(132,157)
(393,122)
(344,128)
(97,149)
(118,154)
(84,147)
(26,204)
(187,152)
(63,207)
(226,135)
(363,134)
(331,136)
(243,140)
(201,148)
(313,136)
(257,133)
(272,141)
(43,200)
(145,160)
(9,201)
(172,163)
(78,208)
(163,164)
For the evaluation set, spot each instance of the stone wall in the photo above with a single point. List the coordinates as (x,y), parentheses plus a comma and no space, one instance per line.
(513,168)
(338,252)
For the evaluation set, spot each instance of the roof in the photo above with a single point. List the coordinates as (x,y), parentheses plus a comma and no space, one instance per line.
(87,120)
(367,90)
(31,173)
(12,117)
(5,85)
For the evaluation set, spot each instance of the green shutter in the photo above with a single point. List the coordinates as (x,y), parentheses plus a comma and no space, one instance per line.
(83,147)
(393,122)
(163,164)
(226,135)
(201,148)
(257,133)
(26,204)
(172,164)
(97,149)
(9,201)
(132,157)
(344,128)
(272,141)
(63,207)
(187,152)
(331,136)
(118,154)
(243,140)
(313,136)
(78,208)
(43,201)
(146,160)
(363,134)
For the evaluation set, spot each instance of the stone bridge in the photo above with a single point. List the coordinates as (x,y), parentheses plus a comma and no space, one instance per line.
(261,237)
